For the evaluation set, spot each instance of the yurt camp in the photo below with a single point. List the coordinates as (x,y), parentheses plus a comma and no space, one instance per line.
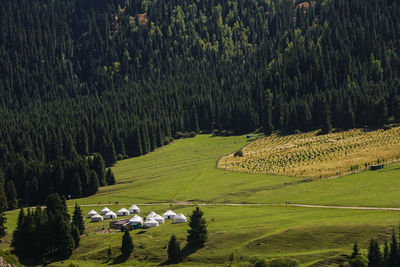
(180,218)
(169,215)
(150,223)
(96,218)
(110,215)
(123,212)
(158,218)
(151,215)
(135,222)
(92,213)
(104,210)
(134,209)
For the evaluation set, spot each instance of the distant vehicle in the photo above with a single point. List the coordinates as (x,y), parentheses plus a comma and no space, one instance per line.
(377,167)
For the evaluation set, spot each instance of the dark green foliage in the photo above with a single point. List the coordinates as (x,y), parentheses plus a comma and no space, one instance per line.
(283,262)
(45,233)
(99,167)
(93,186)
(393,258)
(197,234)
(374,254)
(356,251)
(127,244)
(3,208)
(78,219)
(12,201)
(110,178)
(76,235)
(174,250)
(261,263)
(126,88)
(359,261)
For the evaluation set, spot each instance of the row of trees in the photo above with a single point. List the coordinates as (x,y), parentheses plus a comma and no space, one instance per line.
(379,255)
(45,234)
(120,77)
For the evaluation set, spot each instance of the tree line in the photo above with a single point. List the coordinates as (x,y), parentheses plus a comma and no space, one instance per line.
(122,77)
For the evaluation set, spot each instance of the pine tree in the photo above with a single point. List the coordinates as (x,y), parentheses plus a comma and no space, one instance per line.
(326,126)
(75,235)
(110,178)
(93,186)
(374,254)
(174,250)
(267,122)
(356,251)
(64,240)
(394,253)
(11,196)
(197,234)
(78,220)
(19,234)
(99,167)
(127,244)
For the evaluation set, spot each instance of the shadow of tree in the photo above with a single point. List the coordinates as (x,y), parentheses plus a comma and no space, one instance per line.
(186,251)
(120,259)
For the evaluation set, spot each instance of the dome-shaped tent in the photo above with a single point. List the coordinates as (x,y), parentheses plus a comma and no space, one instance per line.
(92,213)
(104,210)
(96,218)
(169,215)
(151,215)
(150,223)
(123,212)
(110,215)
(136,219)
(134,209)
(180,218)
(158,218)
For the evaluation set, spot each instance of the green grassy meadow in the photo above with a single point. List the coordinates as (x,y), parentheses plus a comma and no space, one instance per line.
(185,171)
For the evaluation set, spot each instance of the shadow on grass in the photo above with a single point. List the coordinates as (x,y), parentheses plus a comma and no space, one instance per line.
(120,259)
(185,252)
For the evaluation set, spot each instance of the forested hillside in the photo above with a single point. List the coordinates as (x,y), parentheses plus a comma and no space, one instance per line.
(120,77)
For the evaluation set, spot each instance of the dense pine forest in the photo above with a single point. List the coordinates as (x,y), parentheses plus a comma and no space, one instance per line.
(87,80)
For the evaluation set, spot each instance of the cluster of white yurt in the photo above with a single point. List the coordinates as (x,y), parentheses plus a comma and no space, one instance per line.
(123,212)
(180,218)
(169,215)
(96,218)
(150,223)
(110,215)
(136,219)
(92,213)
(134,209)
(104,210)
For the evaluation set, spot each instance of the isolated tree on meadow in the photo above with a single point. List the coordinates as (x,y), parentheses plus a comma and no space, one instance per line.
(76,235)
(174,250)
(127,244)
(356,251)
(197,234)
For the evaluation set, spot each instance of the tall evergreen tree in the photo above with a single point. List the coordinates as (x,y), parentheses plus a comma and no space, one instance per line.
(110,178)
(374,254)
(267,122)
(393,258)
(197,234)
(3,208)
(12,201)
(78,219)
(93,186)
(127,244)
(174,250)
(76,235)
(99,167)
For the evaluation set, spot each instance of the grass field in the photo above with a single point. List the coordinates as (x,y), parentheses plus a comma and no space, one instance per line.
(186,171)
(317,156)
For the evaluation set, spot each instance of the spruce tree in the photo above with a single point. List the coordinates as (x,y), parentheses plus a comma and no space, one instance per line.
(326,126)
(174,250)
(394,252)
(93,186)
(356,251)
(19,234)
(267,121)
(11,196)
(3,207)
(110,178)
(197,234)
(127,244)
(99,167)
(76,235)
(374,254)
(78,220)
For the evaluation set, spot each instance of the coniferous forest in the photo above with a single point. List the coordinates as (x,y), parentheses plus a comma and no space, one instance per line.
(86,82)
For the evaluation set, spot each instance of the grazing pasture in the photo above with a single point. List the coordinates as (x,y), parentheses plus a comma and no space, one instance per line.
(317,156)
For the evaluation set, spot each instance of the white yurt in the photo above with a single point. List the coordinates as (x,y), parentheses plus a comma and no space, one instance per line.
(180,218)
(150,223)
(104,210)
(136,219)
(123,212)
(134,209)
(169,215)
(96,218)
(158,218)
(110,215)
(92,213)
(151,215)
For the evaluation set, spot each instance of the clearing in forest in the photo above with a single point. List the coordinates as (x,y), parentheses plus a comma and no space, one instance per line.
(317,156)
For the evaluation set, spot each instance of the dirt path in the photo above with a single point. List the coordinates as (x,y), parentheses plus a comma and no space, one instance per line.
(244,204)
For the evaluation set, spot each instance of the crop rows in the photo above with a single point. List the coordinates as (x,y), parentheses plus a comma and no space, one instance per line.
(317,156)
